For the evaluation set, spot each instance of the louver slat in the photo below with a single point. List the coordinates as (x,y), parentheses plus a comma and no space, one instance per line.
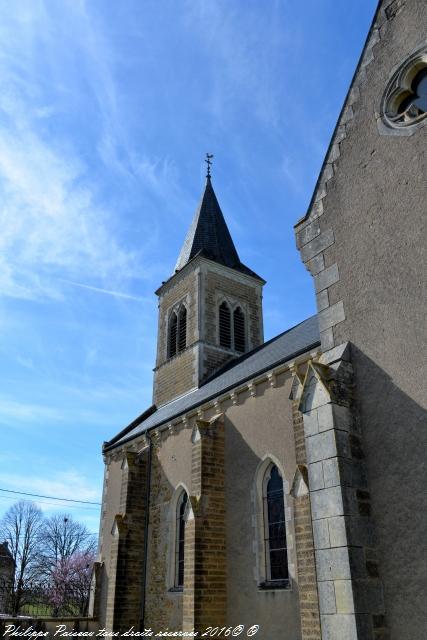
(173,327)
(239,330)
(182,335)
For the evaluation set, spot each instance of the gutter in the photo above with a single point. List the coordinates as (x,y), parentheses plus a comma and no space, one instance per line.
(147,521)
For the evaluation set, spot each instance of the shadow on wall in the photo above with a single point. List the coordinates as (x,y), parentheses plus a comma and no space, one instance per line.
(394,432)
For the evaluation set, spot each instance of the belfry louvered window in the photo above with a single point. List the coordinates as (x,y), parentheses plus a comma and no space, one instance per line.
(180,540)
(239,330)
(173,332)
(177,340)
(224,325)
(182,329)
(276,556)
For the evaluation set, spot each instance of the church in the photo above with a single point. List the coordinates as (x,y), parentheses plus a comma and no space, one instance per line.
(276,488)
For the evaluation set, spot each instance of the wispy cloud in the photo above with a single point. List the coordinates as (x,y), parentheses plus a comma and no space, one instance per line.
(115,294)
(52,218)
(12,411)
(244,67)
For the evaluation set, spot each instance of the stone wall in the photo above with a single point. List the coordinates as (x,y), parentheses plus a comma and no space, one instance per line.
(219,284)
(205,573)
(125,594)
(175,376)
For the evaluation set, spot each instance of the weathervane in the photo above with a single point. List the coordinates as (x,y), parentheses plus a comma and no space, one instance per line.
(208,161)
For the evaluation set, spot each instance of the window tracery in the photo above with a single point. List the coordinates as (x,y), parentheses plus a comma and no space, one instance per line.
(405,98)
(272,545)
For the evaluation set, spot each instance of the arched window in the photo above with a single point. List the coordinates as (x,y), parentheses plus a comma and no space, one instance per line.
(276,555)
(224,325)
(182,329)
(179,541)
(239,330)
(173,331)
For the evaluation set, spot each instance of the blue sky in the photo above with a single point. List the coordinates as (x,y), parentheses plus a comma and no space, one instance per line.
(106,112)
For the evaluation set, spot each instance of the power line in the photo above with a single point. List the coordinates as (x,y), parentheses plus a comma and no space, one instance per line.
(37,495)
(57,504)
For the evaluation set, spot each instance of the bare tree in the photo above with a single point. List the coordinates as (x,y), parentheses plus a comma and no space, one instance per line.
(21,527)
(62,538)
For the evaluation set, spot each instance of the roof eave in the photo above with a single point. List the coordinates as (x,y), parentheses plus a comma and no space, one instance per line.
(114,443)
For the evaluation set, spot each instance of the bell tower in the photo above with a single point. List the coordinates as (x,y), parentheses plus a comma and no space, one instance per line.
(210,309)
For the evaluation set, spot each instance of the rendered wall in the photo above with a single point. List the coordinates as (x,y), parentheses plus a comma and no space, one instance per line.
(364,242)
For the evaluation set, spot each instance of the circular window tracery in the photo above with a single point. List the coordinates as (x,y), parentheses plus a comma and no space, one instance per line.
(405,99)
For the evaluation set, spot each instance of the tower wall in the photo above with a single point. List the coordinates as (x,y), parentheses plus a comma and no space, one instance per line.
(202,285)
(175,376)
(217,284)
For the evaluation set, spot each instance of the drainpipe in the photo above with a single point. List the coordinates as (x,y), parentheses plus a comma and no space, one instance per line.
(147,517)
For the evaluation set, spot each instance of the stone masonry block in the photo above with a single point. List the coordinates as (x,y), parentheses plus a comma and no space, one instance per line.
(328,444)
(310,423)
(321,534)
(333,564)
(316,264)
(344,596)
(325,417)
(343,418)
(331,316)
(341,352)
(331,472)
(308,233)
(327,597)
(334,416)
(315,476)
(337,531)
(327,339)
(339,627)
(317,245)
(321,446)
(327,503)
(326,278)
(322,299)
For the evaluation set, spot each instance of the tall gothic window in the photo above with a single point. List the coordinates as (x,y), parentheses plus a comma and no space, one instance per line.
(173,332)
(180,540)
(276,556)
(239,330)
(177,338)
(224,325)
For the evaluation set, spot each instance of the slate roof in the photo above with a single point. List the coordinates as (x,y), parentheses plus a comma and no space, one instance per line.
(209,236)
(284,347)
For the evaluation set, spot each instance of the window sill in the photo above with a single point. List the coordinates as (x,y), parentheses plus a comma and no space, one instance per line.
(176,590)
(278,585)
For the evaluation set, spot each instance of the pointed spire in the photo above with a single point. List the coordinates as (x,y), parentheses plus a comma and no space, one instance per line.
(209,235)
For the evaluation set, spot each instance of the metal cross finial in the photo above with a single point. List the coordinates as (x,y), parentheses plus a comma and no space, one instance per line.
(208,161)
